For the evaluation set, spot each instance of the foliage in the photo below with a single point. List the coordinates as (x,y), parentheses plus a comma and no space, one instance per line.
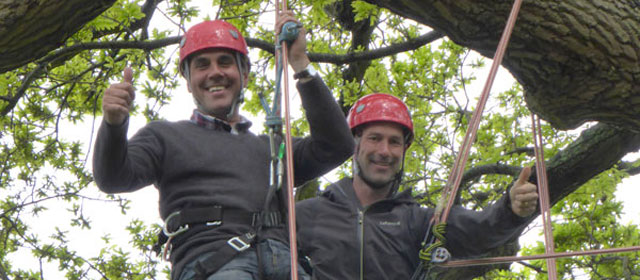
(45,171)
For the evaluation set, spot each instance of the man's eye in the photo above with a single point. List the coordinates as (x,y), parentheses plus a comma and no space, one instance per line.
(201,64)
(225,62)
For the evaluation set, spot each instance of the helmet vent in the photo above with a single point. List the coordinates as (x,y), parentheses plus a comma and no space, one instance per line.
(234,34)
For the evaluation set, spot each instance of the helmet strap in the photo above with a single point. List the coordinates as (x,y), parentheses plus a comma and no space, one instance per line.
(240,98)
(186,73)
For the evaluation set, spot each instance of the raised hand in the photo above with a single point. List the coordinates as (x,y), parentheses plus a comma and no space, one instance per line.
(118,99)
(297,52)
(524,195)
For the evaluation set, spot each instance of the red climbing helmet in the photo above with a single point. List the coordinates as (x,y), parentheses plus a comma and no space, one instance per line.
(212,34)
(381,107)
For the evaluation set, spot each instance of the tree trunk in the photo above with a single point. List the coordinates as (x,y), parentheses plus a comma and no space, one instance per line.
(577,60)
(29,29)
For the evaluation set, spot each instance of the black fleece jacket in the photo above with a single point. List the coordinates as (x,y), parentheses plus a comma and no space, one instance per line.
(347,241)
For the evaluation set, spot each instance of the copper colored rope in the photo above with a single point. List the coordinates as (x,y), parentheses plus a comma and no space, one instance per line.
(543,195)
(293,248)
(455,177)
(509,259)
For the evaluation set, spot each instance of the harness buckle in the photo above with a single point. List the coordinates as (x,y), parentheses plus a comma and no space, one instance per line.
(180,230)
(238,244)
(213,223)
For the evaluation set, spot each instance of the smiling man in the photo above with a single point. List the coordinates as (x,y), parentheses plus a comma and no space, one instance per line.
(212,173)
(361,228)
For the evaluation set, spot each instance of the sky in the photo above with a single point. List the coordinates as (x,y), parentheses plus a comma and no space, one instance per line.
(108,220)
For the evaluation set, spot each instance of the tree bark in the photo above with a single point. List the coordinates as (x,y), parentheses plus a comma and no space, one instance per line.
(578,61)
(29,29)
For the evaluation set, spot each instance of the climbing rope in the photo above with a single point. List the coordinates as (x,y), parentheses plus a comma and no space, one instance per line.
(451,188)
(287,35)
(453,183)
(543,194)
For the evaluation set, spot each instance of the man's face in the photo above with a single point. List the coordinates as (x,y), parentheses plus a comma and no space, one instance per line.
(215,81)
(380,153)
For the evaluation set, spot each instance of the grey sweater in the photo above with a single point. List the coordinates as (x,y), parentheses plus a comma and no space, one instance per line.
(192,166)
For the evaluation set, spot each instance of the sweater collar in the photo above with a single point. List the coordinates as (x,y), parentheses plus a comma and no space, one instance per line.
(214,123)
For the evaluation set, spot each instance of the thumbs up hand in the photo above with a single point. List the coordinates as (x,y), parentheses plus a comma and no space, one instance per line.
(118,99)
(524,195)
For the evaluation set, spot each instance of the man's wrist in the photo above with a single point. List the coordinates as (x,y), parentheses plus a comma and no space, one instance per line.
(307,72)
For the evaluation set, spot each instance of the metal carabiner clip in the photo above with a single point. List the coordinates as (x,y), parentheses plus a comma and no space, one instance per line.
(180,230)
(440,255)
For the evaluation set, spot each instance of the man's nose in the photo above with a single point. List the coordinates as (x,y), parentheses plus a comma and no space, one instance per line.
(215,72)
(384,149)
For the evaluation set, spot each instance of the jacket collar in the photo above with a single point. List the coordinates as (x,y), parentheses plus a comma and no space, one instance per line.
(343,192)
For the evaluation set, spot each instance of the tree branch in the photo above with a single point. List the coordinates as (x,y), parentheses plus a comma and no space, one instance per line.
(269,47)
(408,45)
(496,168)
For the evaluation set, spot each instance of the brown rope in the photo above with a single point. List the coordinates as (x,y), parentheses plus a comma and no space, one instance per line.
(453,183)
(510,259)
(293,248)
(543,195)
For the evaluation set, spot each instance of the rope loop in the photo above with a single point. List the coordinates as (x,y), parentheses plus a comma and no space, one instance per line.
(428,249)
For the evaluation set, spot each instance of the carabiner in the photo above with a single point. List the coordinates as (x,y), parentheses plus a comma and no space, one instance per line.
(180,230)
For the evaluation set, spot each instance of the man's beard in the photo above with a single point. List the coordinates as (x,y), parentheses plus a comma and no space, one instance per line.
(370,182)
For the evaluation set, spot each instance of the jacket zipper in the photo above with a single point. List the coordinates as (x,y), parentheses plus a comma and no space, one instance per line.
(361,241)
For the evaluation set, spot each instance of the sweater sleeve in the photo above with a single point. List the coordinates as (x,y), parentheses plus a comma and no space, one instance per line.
(121,165)
(330,142)
(473,233)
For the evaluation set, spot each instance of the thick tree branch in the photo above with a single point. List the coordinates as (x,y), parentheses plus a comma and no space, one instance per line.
(478,171)
(576,60)
(408,45)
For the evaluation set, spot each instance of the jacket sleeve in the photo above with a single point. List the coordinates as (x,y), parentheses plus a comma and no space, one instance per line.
(330,143)
(121,165)
(473,233)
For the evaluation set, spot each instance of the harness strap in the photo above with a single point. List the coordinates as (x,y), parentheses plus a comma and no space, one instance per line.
(236,245)
(181,225)
(213,216)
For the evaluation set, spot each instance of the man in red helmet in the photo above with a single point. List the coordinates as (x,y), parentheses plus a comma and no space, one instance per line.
(212,173)
(360,228)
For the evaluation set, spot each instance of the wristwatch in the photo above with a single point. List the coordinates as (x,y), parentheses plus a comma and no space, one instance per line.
(307,72)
